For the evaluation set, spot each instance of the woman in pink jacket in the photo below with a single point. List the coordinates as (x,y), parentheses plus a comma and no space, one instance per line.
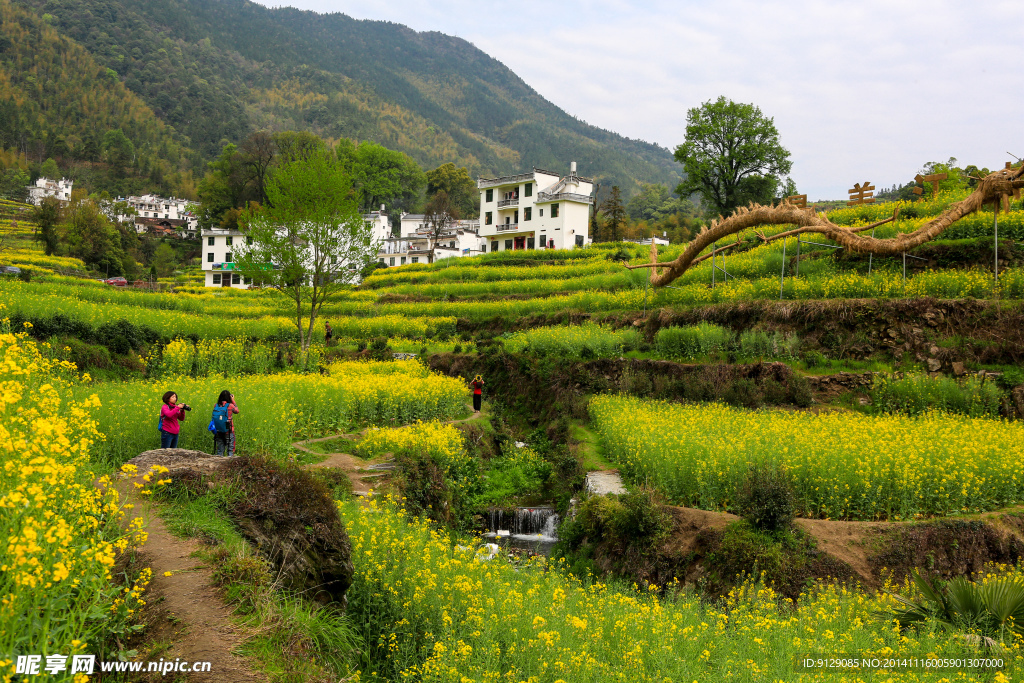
(170,414)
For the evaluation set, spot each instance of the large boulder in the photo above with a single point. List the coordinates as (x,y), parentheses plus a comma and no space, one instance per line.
(178,460)
(290,517)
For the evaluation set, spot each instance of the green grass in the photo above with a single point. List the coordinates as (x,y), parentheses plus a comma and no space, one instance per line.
(338,444)
(295,640)
(591,448)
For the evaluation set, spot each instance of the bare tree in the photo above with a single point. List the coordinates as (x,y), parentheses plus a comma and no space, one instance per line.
(440,216)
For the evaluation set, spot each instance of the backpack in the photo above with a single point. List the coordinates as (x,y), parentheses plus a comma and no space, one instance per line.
(160,424)
(220,417)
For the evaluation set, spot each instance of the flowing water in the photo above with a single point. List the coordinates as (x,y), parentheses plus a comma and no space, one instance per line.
(532,529)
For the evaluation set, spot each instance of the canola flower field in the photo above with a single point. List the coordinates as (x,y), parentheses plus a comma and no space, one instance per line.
(277,409)
(843,465)
(432,611)
(62,520)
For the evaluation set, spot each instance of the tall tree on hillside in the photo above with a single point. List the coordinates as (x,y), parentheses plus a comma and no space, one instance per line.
(47,217)
(731,155)
(222,188)
(298,145)
(385,176)
(118,150)
(615,216)
(91,237)
(258,154)
(50,170)
(440,215)
(309,240)
(13,183)
(459,187)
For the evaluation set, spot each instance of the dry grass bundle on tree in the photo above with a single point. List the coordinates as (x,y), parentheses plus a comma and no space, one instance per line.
(994,189)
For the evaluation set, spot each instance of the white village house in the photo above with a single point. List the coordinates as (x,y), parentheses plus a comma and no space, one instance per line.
(162,215)
(44,187)
(220,245)
(414,240)
(535,210)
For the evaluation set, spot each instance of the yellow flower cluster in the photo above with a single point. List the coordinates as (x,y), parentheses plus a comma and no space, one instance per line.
(61,526)
(573,340)
(278,409)
(440,614)
(843,465)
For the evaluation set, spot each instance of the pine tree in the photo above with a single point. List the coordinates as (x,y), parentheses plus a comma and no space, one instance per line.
(615,215)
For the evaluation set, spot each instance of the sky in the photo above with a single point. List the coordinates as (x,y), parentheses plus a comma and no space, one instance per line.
(864,91)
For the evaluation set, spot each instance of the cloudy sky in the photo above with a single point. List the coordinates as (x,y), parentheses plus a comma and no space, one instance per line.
(859,91)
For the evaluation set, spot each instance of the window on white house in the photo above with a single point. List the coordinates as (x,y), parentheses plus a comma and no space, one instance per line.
(227,257)
(216,278)
(527,213)
(236,278)
(528,190)
(489,196)
(209,257)
(392,260)
(554,210)
(487,218)
(403,261)
(540,212)
(415,259)
(230,240)
(209,240)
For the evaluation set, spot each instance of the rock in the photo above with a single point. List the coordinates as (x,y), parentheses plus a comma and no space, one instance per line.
(917,331)
(934,364)
(863,401)
(178,459)
(933,349)
(290,517)
(958,369)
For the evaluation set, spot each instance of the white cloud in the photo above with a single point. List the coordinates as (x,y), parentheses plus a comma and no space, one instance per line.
(859,91)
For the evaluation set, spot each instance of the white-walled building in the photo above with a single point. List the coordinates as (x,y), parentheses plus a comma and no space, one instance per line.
(658,241)
(220,246)
(44,187)
(152,211)
(413,242)
(535,210)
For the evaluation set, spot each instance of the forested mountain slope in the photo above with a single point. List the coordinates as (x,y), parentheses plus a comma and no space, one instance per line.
(219,69)
(56,100)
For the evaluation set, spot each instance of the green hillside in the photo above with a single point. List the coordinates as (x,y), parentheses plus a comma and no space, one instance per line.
(217,71)
(57,101)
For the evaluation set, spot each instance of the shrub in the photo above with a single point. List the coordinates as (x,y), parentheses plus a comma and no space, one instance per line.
(916,394)
(990,611)
(758,344)
(692,341)
(765,498)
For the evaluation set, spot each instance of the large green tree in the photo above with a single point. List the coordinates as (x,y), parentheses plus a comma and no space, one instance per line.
(47,217)
(385,176)
(309,240)
(458,186)
(731,155)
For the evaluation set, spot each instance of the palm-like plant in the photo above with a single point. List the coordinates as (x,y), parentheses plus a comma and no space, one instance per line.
(985,610)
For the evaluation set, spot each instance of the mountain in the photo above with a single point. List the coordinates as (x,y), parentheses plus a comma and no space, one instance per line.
(216,70)
(57,100)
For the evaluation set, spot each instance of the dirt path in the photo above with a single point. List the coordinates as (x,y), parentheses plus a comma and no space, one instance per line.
(185,615)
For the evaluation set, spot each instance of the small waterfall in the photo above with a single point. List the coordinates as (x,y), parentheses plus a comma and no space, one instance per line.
(533,528)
